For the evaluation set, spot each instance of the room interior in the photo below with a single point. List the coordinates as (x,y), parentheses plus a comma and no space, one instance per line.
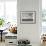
(22,22)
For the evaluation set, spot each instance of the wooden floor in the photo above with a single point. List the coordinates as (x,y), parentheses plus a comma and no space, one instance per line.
(2,43)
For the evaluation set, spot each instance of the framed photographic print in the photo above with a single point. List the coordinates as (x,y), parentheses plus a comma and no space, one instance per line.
(28,17)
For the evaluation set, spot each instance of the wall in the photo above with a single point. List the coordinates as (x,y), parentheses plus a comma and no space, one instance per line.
(30,31)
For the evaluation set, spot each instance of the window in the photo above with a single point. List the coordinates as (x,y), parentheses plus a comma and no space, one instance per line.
(1,9)
(44,10)
(8,11)
(44,16)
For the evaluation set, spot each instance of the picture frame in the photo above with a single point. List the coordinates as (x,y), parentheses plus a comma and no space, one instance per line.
(28,17)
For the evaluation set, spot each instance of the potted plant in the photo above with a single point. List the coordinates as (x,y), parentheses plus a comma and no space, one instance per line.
(1,22)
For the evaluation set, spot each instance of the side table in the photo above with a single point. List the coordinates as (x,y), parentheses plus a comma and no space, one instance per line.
(1,34)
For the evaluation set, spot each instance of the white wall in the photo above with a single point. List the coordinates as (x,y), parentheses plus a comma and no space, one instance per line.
(30,31)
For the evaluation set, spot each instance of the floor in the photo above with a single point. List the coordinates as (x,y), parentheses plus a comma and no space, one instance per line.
(2,43)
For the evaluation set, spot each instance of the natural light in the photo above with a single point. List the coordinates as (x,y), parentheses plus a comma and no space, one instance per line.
(43,16)
(43,4)
(8,11)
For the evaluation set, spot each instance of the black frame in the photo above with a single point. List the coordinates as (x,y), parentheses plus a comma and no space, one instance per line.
(30,12)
